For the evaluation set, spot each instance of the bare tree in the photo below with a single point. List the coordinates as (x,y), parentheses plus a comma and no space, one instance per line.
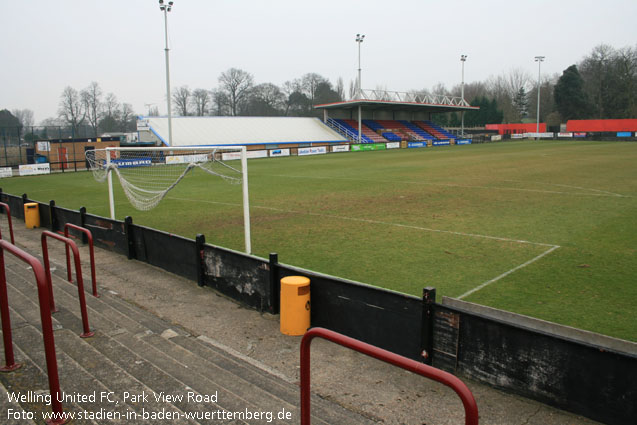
(92,100)
(267,99)
(127,117)
(181,99)
(340,88)
(219,103)
(236,85)
(500,90)
(25,116)
(309,84)
(440,89)
(71,110)
(287,89)
(110,114)
(353,90)
(200,101)
(111,105)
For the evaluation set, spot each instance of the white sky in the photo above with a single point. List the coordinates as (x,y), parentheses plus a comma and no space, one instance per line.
(409,44)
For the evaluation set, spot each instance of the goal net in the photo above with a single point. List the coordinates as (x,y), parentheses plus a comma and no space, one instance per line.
(146,175)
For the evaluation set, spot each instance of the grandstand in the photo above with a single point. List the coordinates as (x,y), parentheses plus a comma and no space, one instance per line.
(369,135)
(255,132)
(392,116)
(383,117)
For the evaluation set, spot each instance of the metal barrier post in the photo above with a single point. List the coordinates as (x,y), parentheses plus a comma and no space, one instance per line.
(9,359)
(470,406)
(8,211)
(47,325)
(91,251)
(78,273)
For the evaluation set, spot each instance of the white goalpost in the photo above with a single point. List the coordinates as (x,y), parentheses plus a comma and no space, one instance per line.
(148,174)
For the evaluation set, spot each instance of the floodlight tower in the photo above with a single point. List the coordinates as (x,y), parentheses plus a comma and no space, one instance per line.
(463,59)
(359,40)
(539,60)
(167,8)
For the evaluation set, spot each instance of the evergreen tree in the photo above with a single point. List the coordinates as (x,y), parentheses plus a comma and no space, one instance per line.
(487,114)
(570,98)
(521,102)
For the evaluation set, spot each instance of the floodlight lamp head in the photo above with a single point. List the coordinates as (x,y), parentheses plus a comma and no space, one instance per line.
(539,58)
(463,58)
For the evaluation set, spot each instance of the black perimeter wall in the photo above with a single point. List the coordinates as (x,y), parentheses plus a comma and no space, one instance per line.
(584,373)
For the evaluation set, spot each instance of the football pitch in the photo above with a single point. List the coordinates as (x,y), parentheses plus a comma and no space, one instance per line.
(546,229)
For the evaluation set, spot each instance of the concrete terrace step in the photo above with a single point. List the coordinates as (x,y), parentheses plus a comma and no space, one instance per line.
(134,351)
(179,344)
(132,318)
(27,378)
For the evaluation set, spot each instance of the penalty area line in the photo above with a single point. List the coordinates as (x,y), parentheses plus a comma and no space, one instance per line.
(370,221)
(550,249)
(505,274)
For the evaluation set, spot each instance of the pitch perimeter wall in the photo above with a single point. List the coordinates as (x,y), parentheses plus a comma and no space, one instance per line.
(585,373)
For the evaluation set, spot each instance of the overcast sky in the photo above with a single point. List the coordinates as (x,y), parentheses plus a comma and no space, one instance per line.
(48,45)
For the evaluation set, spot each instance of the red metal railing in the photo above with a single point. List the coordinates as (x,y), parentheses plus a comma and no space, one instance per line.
(47,326)
(8,211)
(470,406)
(91,251)
(78,273)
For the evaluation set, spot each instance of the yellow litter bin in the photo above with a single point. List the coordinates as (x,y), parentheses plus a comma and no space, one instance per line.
(31,215)
(295,305)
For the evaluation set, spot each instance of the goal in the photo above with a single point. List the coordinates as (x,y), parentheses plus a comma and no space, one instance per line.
(146,175)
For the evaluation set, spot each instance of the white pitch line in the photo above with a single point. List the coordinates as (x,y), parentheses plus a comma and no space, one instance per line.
(365,220)
(572,187)
(552,247)
(503,275)
(425,183)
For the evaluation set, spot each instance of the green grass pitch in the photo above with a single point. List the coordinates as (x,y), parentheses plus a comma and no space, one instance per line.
(547,229)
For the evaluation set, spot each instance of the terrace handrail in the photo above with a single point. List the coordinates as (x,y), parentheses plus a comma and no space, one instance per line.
(47,325)
(8,211)
(470,406)
(91,251)
(78,273)
(342,129)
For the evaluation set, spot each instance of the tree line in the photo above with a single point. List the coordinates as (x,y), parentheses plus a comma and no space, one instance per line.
(602,85)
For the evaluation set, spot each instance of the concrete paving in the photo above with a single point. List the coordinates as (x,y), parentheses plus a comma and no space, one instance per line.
(369,389)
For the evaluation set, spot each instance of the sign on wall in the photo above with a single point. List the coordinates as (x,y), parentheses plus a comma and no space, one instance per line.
(312,151)
(280,152)
(228,156)
(34,169)
(441,142)
(6,172)
(44,147)
(368,147)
